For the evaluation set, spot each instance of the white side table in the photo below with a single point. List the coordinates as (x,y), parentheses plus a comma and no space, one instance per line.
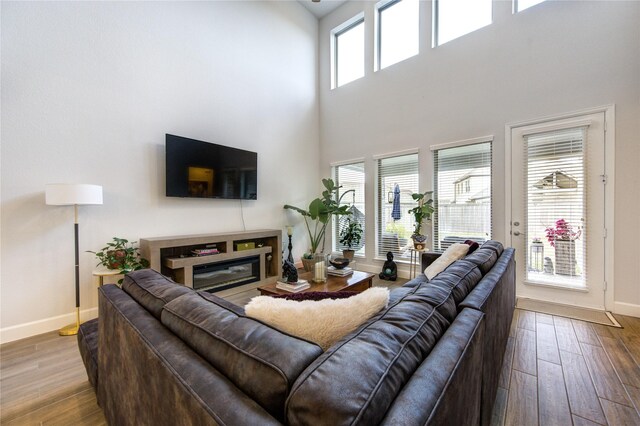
(414,263)
(101,273)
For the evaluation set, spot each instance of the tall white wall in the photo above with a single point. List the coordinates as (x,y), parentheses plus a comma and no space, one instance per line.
(554,58)
(88,91)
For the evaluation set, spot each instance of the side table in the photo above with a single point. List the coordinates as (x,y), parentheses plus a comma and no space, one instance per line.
(101,273)
(414,262)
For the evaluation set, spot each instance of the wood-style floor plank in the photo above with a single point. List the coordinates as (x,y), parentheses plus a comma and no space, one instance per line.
(527,320)
(585,333)
(507,362)
(499,407)
(514,323)
(579,421)
(623,362)
(604,377)
(552,396)
(634,394)
(618,414)
(524,357)
(546,343)
(603,330)
(565,335)
(583,398)
(544,318)
(522,406)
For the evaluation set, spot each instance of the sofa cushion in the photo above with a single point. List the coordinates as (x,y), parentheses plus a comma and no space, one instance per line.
(495,246)
(88,345)
(484,258)
(461,277)
(324,321)
(152,290)
(261,361)
(357,379)
(454,252)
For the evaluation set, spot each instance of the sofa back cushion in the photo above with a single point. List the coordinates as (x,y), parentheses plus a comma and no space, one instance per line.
(358,378)
(261,361)
(460,277)
(495,246)
(152,290)
(484,258)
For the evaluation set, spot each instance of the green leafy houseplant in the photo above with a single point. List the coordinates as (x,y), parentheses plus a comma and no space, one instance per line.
(317,215)
(422,211)
(350,236)
(122,255)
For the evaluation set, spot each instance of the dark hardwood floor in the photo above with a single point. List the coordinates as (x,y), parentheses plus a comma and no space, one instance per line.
(556,371)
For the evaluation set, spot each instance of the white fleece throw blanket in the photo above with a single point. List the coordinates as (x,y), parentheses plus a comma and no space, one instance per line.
(323,322)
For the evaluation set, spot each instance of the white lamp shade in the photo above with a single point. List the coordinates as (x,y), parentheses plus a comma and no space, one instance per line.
(65,194)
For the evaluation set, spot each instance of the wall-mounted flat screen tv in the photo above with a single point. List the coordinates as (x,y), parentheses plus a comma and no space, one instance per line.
(197,169)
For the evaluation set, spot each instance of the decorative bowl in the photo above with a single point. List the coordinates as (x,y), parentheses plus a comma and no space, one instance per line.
(339,262)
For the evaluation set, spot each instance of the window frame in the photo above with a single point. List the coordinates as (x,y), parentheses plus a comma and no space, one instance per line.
(335,246)
(335,34)
(380,7)
(381,199)
(436,196)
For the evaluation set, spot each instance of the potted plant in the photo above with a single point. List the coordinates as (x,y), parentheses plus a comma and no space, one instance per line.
(121,255)
(562,237)
(317,215)
(350,236)
(422,211)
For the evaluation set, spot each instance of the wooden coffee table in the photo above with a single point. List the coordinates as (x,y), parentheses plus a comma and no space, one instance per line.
(358,281)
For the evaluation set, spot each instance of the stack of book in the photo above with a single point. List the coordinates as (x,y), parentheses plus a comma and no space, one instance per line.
(293,287)
(205,252)
(331,270)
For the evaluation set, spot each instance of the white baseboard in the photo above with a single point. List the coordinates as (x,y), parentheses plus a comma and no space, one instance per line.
(22,331)
(626,309)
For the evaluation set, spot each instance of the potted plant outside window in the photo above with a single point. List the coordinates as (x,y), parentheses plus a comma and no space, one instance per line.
(350,236)
(562,238)
(317,215)
(422,211)
(121,255)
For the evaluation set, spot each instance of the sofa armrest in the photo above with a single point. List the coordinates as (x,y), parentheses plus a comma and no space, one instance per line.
(428,258)
(148,376)
(446,388)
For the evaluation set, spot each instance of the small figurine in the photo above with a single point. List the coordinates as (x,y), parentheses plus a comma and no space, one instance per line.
(389,269)
(289,272)
(548,265)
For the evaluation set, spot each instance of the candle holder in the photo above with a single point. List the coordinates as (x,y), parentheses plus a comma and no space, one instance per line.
(320,268)
(290,247)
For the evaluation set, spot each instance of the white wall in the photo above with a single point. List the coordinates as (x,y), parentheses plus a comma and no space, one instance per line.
(554,58)
(88,91)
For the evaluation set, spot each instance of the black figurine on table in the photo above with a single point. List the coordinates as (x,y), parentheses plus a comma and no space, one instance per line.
(389,269)
(289,272)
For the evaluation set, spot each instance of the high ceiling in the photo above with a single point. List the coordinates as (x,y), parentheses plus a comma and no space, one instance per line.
(322,8)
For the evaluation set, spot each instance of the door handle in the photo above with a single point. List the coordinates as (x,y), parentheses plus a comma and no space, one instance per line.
(516,233)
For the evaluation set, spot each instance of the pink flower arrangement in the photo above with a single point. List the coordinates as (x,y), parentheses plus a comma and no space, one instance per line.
(562,231)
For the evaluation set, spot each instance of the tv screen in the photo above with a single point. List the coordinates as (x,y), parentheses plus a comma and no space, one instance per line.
(200,169)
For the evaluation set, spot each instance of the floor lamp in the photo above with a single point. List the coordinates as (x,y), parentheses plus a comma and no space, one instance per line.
(62,194)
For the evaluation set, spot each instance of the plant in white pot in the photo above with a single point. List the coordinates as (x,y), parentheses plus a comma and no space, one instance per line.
(350,236)
(317,215)
(422,211)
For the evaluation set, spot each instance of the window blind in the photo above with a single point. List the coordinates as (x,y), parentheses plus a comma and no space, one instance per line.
(554,168)
(394,235)
(350,176)
(462,194)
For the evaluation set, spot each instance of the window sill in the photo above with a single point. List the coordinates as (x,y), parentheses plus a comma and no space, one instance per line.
(557,286)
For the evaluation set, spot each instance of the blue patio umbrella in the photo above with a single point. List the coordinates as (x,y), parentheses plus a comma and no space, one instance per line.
(395,211)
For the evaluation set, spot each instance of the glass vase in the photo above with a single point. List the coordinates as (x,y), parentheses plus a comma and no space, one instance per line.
(319,270)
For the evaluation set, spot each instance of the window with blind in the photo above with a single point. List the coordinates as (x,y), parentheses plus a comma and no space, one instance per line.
(462,194)
(350,177)
(555,207)
(397,177)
